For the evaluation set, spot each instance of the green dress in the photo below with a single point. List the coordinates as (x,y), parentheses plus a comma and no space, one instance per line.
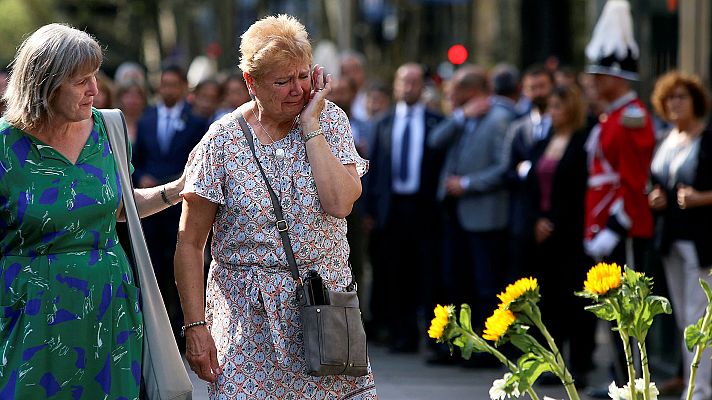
(70,322)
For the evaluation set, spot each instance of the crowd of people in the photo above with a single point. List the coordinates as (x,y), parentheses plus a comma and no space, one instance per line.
(474,180)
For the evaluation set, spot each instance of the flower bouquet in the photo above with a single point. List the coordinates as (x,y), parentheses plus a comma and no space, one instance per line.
(620,297)
(625,299)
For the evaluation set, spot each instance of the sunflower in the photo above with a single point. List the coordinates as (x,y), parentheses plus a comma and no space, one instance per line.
(498,324)
(517,290)
(603,278)
(442,318)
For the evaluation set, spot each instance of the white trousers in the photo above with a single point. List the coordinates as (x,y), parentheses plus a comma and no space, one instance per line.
(683,274)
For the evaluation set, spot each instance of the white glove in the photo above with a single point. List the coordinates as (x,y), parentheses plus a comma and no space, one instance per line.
(602,245)
(523,169)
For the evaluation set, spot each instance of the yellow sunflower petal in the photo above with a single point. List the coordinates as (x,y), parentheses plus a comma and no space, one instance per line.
(498,324)
(516,290)
(603,278)
(438,324)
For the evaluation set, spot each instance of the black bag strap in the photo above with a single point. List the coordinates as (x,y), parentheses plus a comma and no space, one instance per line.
(281,223)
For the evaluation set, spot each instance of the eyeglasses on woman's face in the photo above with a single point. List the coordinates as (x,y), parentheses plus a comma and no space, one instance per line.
(679,94)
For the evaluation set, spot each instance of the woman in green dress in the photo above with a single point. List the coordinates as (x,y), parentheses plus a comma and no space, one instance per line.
(70,322)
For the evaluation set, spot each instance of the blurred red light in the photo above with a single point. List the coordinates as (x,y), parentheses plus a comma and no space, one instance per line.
(457,54)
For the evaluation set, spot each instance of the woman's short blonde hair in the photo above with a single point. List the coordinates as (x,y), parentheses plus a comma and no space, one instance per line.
(665,85)
(50,56)
(271,41)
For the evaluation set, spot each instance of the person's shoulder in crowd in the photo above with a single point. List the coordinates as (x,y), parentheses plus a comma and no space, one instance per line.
(500,112)
(386,118)
(506,107)
(432,118)
(520,123)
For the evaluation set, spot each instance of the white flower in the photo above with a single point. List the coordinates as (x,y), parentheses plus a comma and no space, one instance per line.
(616,393)
(500,391)
(497,391)
(640,385)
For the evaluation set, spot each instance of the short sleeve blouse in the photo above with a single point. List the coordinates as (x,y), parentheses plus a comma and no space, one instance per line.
(223,170)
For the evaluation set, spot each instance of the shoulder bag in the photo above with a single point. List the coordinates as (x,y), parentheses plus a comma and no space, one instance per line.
(334,337)
(164,374)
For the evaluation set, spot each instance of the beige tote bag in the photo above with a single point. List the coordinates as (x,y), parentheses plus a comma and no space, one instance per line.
(164,374)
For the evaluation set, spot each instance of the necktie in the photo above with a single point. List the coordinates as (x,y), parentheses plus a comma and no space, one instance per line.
(405,150)
(165,138)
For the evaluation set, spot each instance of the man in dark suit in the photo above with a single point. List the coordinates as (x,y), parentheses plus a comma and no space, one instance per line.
(166,134)
(523,135)
(401,203)
(473,192)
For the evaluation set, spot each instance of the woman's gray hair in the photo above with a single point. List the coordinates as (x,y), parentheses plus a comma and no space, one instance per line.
(50,56)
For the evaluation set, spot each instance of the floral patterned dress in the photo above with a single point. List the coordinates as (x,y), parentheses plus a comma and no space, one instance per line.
(250,307)
(70,324)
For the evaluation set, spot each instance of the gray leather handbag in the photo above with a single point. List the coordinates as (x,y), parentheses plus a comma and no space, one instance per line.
(334,337)
(163,372)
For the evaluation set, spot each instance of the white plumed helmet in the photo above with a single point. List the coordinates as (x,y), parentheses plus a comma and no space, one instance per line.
(612,49)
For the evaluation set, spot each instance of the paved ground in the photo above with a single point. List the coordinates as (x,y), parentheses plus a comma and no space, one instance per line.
(408,377)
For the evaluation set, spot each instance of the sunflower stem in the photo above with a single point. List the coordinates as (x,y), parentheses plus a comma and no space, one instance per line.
(559,365)
(693,370)
(646,371)
(501,357)
(625,338)
(628,360)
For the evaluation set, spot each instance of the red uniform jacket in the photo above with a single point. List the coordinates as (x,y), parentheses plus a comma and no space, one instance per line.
(620,149)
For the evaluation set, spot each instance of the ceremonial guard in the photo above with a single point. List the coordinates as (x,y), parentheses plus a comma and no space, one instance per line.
(618,221)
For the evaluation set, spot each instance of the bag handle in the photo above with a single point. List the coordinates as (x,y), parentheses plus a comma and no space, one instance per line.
(281,223)
(115,126)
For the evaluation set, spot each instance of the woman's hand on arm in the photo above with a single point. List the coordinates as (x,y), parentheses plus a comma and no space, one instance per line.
(155,199)
(195,223)
(338,185)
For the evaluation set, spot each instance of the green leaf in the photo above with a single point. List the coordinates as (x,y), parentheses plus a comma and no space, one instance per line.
(469,343)
(694,336)
(707,290)
(466,317)
(451,332)
(587,295)
(629,276)
(466,350)
(603,311)
(658,305)
(528,344)
(530,367)
(521,342)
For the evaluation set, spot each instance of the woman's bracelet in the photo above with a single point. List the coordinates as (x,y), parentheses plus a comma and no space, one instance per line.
(164,196)
(312,134)
(190,325)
